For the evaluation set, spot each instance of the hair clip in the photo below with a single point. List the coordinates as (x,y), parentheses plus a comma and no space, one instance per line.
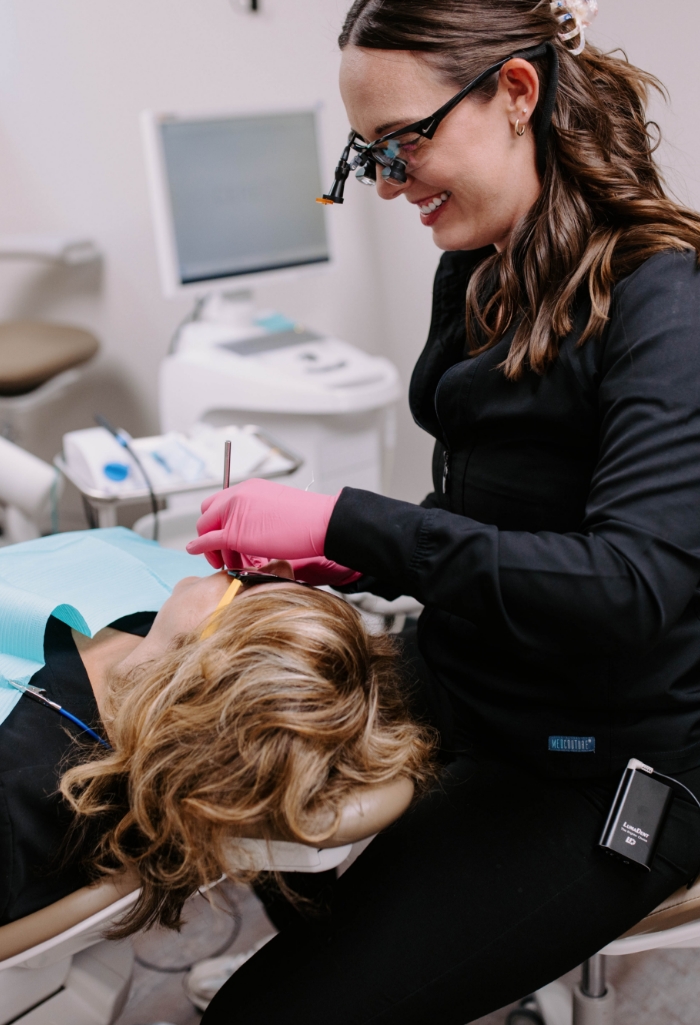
(582,13)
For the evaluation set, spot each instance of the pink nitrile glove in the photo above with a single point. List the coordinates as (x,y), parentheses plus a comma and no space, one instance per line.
(262,516)
(322,571)
(235,560)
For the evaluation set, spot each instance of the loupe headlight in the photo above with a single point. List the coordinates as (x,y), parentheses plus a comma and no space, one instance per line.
(341,174)
(365,167)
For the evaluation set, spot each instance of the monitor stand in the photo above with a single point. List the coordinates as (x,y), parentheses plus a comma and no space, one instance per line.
(236,309)
(226,317)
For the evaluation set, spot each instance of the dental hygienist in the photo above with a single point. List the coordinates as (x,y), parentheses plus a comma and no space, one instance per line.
(558,557)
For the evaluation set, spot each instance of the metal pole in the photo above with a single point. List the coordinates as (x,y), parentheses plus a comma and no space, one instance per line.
(227,464)
(593,977)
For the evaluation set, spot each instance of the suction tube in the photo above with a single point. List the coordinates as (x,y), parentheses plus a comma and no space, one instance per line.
(26,482)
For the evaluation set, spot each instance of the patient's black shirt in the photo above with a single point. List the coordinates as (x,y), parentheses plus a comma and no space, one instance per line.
(37,864)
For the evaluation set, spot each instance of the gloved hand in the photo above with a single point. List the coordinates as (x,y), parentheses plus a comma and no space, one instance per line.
(322,571)
(239,560)
(316,571)
(260,516)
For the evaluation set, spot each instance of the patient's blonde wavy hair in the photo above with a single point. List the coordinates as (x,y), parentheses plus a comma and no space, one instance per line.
(262,729)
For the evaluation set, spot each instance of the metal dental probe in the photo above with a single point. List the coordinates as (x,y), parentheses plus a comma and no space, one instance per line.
(227,464)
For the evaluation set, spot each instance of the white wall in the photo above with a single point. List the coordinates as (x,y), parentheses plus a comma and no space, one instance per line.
(74,75)
(663,39)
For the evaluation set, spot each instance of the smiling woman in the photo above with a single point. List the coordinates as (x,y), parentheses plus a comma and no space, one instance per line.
(588,211)
(558,555)
(473,155)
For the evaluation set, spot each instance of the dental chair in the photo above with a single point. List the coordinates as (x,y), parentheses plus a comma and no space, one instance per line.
(675,923)
(56,968)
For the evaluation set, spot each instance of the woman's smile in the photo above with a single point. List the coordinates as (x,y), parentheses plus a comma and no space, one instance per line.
(431,207)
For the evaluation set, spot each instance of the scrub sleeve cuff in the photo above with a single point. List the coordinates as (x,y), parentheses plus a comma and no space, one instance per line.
(375,535)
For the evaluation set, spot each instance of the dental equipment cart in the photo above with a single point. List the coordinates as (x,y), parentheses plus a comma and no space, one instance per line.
(331,402)
(108,476)
(226,218)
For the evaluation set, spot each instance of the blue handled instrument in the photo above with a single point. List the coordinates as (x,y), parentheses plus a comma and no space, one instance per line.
(36,693)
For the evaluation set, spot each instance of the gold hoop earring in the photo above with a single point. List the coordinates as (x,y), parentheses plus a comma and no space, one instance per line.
(519,129)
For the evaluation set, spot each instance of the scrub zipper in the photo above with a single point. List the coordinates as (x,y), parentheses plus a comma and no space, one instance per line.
(446,453)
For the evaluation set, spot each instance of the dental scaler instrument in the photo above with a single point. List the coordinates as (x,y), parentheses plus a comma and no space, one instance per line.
(227,464)
(235,585)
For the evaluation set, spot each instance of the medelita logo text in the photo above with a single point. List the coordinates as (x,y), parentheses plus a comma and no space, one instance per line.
(572,745)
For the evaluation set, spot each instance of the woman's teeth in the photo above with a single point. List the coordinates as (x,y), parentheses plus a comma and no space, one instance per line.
(434,203)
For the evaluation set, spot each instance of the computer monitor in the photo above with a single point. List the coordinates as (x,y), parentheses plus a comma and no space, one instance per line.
(233,198)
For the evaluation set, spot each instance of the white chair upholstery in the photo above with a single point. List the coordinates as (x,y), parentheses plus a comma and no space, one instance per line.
(59,969)
(56,967)
(280,856)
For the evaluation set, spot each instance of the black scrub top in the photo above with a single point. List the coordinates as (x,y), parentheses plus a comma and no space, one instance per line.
(558,557)
(37,867)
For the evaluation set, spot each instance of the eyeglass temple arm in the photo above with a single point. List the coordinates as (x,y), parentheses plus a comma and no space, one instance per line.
(439,115)
(442,113)
(546,110)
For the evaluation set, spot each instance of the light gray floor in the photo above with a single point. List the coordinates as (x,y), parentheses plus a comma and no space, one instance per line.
(655,988)
(659,987)
(160,997)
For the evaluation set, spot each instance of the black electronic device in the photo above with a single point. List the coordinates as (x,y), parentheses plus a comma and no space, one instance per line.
(636,816)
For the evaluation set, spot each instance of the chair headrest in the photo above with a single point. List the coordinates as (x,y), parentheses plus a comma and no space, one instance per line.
(370,810)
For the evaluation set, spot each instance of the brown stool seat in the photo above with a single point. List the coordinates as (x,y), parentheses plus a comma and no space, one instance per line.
(680,908)
(32,353)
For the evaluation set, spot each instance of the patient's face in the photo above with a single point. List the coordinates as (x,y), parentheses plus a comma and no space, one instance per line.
(192,602)
(194,599)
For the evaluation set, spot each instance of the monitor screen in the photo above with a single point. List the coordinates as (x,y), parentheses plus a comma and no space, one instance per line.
(242,194)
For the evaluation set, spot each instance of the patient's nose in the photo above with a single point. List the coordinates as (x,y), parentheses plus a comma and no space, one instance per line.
(280,568)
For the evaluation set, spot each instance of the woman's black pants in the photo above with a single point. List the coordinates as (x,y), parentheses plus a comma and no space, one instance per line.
(487,889)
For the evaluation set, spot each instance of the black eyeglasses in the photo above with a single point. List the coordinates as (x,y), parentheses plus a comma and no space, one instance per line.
(251,577)
(394,151)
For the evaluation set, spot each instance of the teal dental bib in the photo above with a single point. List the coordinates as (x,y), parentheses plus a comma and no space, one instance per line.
(87,579)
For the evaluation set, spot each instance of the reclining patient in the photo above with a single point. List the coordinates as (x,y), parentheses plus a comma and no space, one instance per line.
(258,718)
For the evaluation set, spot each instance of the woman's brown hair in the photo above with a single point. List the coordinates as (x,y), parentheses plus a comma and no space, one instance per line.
(602,210)
(263,729)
